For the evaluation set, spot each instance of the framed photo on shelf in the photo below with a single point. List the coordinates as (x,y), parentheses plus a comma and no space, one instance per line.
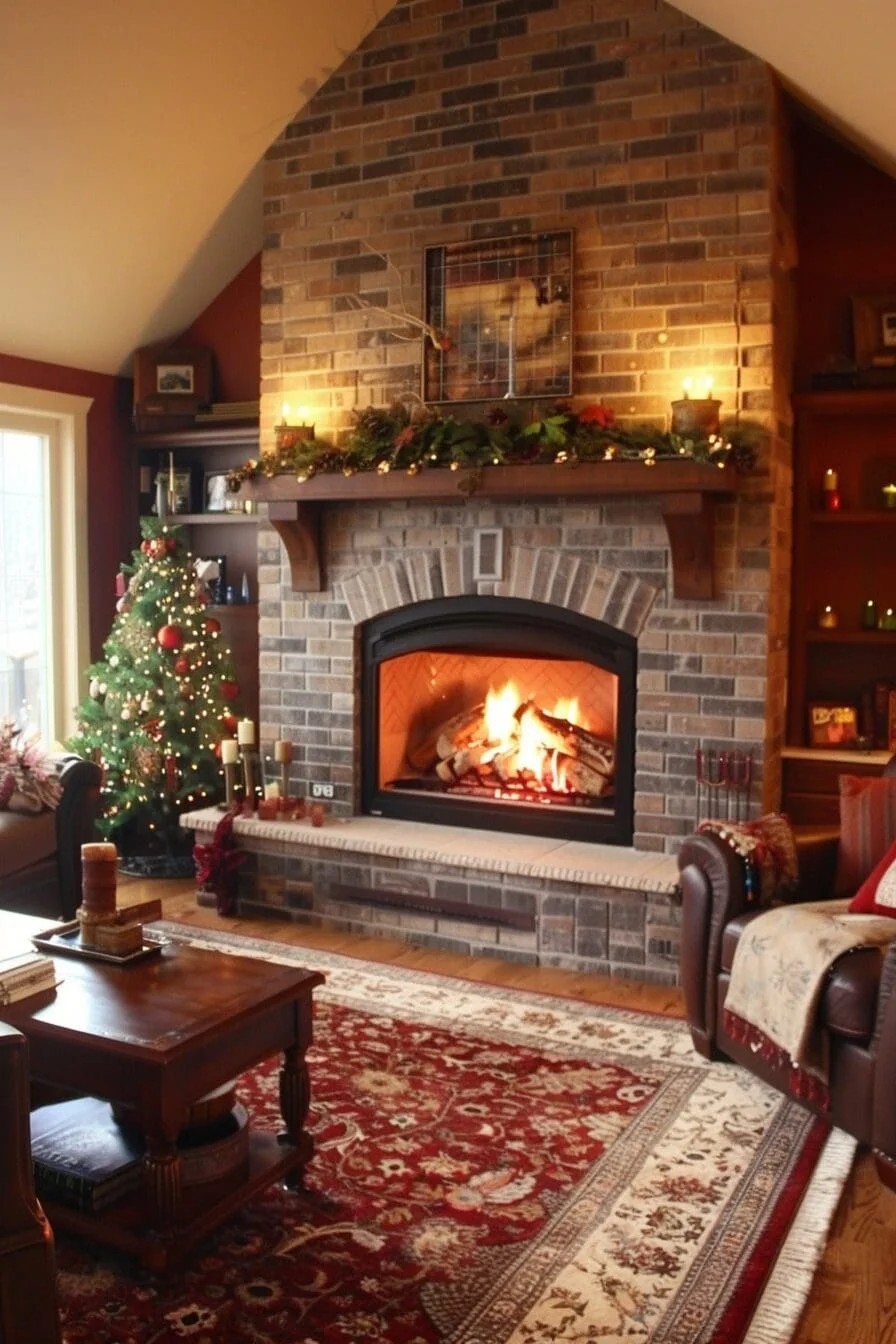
(181,490)
(171,383)
(215,494)
(832,724)
(874,331)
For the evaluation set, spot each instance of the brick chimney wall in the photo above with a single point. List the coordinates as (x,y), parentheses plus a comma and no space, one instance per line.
(658,143)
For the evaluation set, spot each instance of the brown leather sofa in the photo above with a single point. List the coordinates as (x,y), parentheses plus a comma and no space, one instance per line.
(40,855)
(857,1008)
(28,1311)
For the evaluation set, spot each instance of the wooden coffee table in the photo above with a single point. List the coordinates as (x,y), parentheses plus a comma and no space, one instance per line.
(154,1036)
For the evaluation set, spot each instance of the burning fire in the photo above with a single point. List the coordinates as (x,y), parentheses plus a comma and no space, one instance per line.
(515,733)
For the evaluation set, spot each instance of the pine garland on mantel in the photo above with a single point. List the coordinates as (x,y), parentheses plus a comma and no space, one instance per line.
(397,439)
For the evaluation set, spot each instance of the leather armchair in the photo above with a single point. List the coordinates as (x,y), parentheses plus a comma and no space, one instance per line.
(857,1009)
(40,855)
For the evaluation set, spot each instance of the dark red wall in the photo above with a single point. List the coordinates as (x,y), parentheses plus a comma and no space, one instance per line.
(231,327)
(846,225)
(109,537)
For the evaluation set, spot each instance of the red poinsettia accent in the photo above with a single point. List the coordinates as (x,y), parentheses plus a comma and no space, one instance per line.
(598,415)
(217,862)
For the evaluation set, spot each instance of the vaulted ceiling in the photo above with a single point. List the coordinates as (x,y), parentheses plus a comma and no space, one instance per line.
(131,137)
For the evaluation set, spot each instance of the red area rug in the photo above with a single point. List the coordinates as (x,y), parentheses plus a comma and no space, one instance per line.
(494,1166)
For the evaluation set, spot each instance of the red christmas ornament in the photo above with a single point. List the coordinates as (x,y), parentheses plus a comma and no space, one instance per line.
(230,689)
(170,637)
(229,724)
(182,667)
(212,626)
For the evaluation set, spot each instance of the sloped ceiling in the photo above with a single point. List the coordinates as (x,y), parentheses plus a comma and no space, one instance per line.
(131,134)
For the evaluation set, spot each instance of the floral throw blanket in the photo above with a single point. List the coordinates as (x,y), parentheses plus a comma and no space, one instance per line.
(778,975)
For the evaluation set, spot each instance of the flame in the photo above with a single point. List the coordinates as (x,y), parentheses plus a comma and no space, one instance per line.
(513,729)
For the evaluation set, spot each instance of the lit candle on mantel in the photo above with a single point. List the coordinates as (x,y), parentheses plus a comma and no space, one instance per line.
(283,750)
(245,733)
(228,751)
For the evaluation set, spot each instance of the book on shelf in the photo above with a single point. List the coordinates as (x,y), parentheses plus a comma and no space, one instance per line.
(82,1157)
(24,974)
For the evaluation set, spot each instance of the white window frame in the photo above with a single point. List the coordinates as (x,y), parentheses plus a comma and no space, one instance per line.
(62,417)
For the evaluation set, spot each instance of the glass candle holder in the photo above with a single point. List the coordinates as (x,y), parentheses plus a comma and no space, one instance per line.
(868,615)
(887,620)
(827,618)
(889,496)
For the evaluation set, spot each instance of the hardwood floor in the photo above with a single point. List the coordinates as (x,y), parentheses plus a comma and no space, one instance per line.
(854,1294)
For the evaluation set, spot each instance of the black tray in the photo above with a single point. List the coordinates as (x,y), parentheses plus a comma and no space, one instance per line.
(66,938)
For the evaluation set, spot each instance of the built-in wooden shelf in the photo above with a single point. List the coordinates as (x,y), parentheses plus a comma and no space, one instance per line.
(687,492)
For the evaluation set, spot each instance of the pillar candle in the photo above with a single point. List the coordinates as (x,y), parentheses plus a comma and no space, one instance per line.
(228,751)
(830,479)
(283,751)
(272,790)
(245,733)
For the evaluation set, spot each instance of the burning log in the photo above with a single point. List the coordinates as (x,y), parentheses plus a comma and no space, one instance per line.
(569,739)
(573,758)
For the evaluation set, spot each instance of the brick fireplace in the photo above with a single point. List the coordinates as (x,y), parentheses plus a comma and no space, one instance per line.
(659,144)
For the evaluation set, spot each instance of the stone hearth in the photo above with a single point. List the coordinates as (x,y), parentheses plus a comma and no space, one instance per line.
(599,908)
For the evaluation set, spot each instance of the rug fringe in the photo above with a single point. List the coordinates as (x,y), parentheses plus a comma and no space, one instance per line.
(790,1281)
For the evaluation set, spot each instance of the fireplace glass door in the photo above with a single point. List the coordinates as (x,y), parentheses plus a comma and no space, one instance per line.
(499,713)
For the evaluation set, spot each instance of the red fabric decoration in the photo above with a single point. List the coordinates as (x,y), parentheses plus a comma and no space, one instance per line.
(865,900)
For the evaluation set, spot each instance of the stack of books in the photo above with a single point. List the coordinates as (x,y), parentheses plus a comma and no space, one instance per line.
(228,410)
(82,1156)
(24,974)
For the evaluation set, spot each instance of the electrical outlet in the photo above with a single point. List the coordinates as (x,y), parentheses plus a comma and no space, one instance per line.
(321,790)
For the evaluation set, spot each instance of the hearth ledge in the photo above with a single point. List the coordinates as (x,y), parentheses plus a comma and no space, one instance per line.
(597,865)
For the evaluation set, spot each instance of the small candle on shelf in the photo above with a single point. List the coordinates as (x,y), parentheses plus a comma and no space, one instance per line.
(229,751)
(831,490)
(272,790)
(889,494)
(171,472)
(827,618)
(888,620)
(283,751)
(869,615)
(245,733)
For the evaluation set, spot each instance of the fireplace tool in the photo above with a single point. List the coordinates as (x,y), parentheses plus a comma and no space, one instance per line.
(724,781)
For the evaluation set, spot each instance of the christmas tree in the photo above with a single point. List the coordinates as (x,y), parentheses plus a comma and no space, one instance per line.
(159,701)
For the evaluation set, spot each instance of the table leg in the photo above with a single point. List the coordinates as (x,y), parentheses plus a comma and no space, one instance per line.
(162,1181)
(295,1092)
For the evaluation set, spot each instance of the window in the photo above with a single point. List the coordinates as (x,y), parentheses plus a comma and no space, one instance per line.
(44,647)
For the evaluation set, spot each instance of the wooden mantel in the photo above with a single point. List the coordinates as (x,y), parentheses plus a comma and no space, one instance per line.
(687,492)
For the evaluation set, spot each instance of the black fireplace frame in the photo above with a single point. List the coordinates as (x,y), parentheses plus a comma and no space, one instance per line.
(502,626)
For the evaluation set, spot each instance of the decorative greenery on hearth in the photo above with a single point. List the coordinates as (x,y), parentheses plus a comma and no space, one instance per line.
(397,439)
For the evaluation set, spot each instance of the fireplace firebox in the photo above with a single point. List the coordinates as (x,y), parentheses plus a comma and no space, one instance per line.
(499,713)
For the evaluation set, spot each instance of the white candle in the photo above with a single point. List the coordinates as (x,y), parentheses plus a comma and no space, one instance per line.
(245,733)
(228,751)
(283,751)
(272,790)
(171,472)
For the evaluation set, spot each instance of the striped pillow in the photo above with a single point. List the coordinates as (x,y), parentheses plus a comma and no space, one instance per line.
(867,828)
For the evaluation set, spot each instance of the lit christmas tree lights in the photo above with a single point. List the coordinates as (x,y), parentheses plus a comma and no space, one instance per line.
(159,702)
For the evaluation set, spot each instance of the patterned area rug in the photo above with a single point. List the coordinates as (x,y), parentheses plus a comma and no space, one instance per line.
(494,1166)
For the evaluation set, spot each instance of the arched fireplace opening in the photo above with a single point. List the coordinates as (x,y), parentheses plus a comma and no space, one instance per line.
(502,714)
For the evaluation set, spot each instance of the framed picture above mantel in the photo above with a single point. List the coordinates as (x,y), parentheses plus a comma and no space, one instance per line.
(499,319)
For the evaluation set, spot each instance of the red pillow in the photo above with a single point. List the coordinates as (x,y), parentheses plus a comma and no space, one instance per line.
(867,827)
(883,878)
